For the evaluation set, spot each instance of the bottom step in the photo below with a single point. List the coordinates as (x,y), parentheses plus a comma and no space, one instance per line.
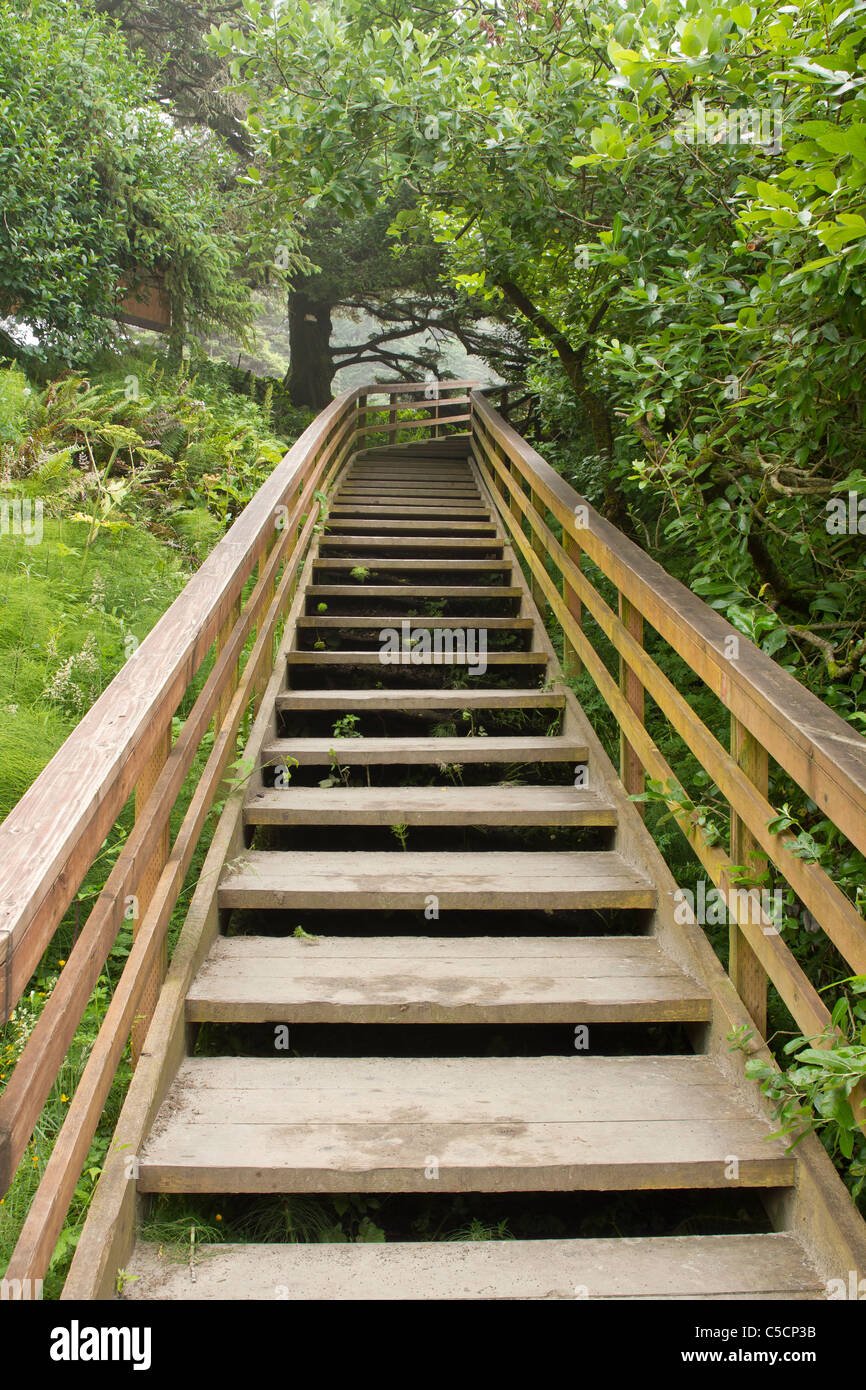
(670,1267)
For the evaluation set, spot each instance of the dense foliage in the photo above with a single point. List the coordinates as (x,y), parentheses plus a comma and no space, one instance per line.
(99,189)
(670,197)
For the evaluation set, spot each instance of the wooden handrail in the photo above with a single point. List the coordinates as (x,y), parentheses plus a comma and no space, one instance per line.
(50,838)
(524,488)
(273,532)
(823,754)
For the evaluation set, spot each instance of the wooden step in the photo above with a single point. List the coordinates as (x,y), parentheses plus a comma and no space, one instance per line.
(764,1267)
(402,565)
(399,700)
(485,881)
(518,1124)
(373,510)
(352,657)
(347,620)
(485,806)
(390,527)
(410,752)
(440,591)
(358,543)
(248,979)
(400,487)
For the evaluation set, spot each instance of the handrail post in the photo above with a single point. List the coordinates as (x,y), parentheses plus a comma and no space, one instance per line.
(744,968)
(145,889)
(360,409)
(631,767)
(571,662)
(539,547)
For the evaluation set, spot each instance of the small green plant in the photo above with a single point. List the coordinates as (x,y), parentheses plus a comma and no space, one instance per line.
(322,524)
(347,727)
(339,776)
(475,731)
(321,608)
(700,816)
(452,770)
(815,1092)
(303,935)
(360,572)
(401,833)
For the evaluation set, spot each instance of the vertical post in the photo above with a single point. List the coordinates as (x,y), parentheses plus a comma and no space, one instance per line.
(744,968)
(360,410)
(436,427)
(224,698)
(540,549)
(392,417)
(630,766)
(571,662)
(144,891)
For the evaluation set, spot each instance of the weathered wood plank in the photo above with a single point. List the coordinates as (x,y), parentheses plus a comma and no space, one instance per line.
(485,881)
(348,700)
(486,806)
(662,1267)
(418,980)
(523,1124)
(410,751)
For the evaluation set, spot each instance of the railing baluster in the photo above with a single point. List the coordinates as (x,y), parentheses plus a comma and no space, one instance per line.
(540,549)
(571,662)
(631,767)
(144,892)
(744,968)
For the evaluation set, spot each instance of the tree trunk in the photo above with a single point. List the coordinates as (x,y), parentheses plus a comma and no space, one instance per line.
(311,366)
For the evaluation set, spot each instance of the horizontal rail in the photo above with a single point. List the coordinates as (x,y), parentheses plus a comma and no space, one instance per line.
(525,489)
(823,754)
(50,838)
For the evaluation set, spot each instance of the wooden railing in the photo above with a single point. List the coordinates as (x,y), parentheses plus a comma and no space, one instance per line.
(771,714)
(122,747)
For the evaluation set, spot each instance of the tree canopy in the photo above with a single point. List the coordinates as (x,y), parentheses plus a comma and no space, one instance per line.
(669,197)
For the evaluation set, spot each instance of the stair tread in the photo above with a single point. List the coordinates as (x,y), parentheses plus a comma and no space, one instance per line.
(771,1266)
(347,700)
(351,657)
(319,1124)
(488,880)
(470,748)
(436,980)
(440,591)
(485,805)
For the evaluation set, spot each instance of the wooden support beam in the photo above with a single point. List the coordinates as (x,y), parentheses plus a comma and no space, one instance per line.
(144,892)
(630,765)
(571,662)
(744,968)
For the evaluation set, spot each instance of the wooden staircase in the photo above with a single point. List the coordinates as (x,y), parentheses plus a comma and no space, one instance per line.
(432,958)
(437,933)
